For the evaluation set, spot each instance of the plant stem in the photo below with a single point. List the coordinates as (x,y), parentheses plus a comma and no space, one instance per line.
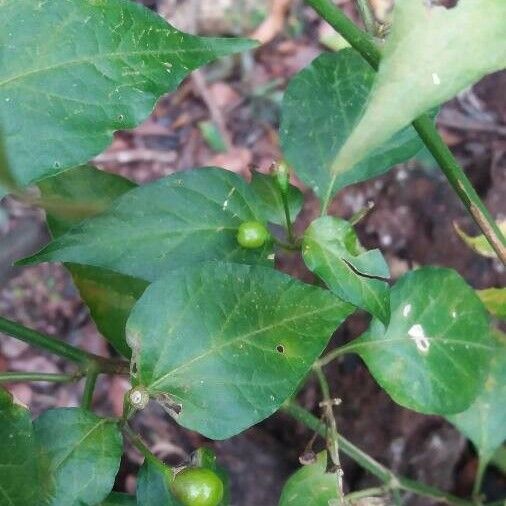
(365,45)
(367,492)
(332,436)
(337,352)
(89,387)
(478,480)
(386,476)
(63,349)
(16,377)
(137,441)
(289,224)
(367,16)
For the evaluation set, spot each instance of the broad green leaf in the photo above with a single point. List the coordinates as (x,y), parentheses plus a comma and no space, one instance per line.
(331,250)
(7,182)
(321,106)
(84,453)
(270,201)
(434,355)
(494,300)
(118,499)
(69,198)
(152,487)
(184,218)
(479,243)
(431,54)
(73,72)
(229,343)
(21,483)
(484,423)
(310,486)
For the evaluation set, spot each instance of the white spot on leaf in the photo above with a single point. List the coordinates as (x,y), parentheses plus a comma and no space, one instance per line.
(417,333)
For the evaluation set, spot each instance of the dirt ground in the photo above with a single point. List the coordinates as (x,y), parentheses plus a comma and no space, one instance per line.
(412,223)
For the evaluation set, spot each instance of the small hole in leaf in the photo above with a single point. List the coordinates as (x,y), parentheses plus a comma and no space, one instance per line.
(280,348)
(56,165)
(121,117)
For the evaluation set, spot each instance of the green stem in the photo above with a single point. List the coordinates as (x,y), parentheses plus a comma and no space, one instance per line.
(365,45)
(137,441)
(364,7)
(62,349)
(89,387)
(332,355)
(478,479)
(16,377)
(288,218)
(386,476)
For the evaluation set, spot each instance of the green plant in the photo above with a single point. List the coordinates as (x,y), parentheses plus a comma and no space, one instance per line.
(179,274)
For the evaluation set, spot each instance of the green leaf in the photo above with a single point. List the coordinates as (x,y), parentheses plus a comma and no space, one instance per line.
(331,250)
(321,106)
(434,355)
(484,423)
(84,453)
(152,488)
(269,198)
(310,486)
(431,54)
(69,198)
(480,243)
(74,72)
(229,343)
(20,479)
(118,499)
(494,300)
(184,218)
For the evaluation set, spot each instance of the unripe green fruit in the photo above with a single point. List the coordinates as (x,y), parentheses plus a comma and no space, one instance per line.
(252,234)
(197,486)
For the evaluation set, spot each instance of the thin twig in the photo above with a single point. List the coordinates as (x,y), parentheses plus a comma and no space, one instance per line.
(22,377)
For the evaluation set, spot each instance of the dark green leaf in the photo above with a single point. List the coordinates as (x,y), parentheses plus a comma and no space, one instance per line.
(20,479)
(484,423)
(310,486)
(69,198)
(72,72)
(152,487)
(84,453)
(332,251)
(229,343)
(321,106)
(181,219)
(269,198)
(434,355)
(117,499)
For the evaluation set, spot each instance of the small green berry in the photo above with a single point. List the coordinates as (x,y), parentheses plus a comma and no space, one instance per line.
(252,234)
(197,486)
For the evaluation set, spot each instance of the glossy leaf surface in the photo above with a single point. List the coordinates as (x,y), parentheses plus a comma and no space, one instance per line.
(269,198)
(431,54)
(332,251)
(434,355)
(484,423)
(83,452)
(73,72)
(310,486)
(20,479)
(321,106)
(229,343)
(187,218)
(69,198)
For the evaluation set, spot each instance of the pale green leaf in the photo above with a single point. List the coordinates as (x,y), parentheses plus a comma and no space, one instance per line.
(20,478)
(321,106)
(68,198)
(332,251)
(431,54)
(480,243)
(484,423)
(84,453)
(229,343)
(73,72)
(434,355)
(184,218)
(495,301)
(310,486)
